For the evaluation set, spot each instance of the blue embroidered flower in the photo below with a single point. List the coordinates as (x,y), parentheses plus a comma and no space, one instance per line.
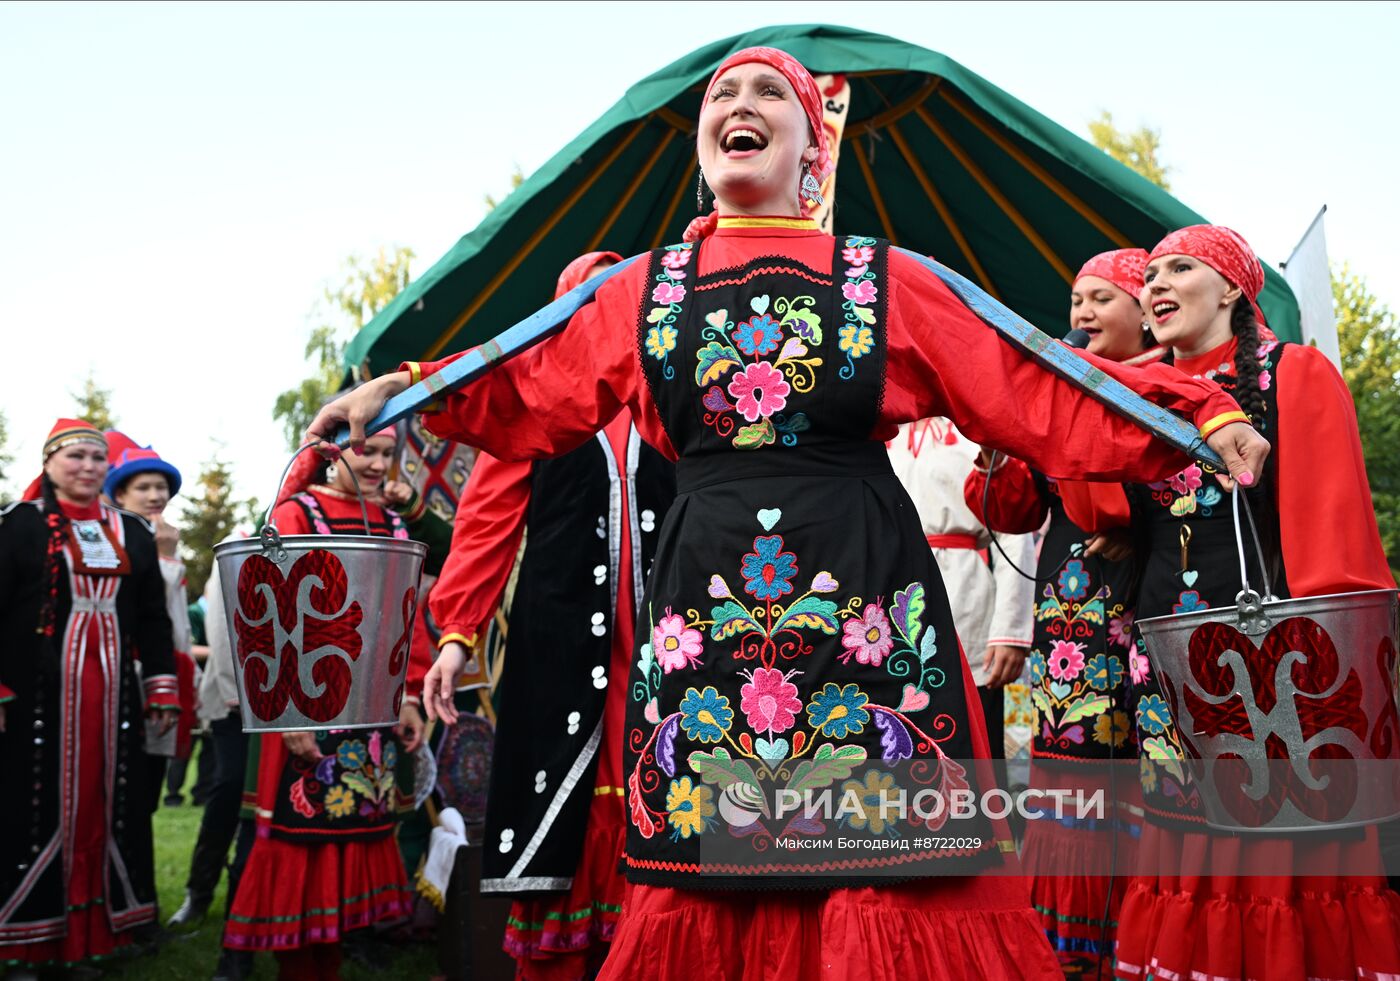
(352,754)
(1153,716)
(1104,672)
(1037,664)
(706,715)
(768,570)
(838,712)
(1189,602)
(391,756)
(1074,581)
(758,335)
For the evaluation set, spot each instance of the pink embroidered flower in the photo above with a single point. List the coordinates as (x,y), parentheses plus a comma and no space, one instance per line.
(676,259)
(668,293)
(1138,667)
(1186,481)
(674,644)
(1266,380)
(1120,630)
(1066,660)
(760,390)
(770,701)
(862,292)
(859,256)
(868,637)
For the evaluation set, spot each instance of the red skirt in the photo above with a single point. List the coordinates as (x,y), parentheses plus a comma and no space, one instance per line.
(294,894)
(1204,922)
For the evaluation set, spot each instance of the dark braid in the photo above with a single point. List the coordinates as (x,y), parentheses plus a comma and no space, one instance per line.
(53,554)
(1246,329)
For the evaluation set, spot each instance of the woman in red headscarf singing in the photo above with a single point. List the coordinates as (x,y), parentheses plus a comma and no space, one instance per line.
(80,591)
(796,655)
(1316,908)
(555,810)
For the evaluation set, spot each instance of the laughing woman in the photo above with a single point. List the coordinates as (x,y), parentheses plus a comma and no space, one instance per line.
(773,361)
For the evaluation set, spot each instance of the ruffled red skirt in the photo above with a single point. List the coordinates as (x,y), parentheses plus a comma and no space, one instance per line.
(1203,922)
(293,894)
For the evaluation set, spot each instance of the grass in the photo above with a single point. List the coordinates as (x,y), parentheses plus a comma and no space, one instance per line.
(192,953)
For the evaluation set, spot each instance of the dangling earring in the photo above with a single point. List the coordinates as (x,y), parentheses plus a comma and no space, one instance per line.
(330,473)
(700,193)
(811,189)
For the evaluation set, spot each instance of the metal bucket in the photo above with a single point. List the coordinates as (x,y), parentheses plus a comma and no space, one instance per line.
(1286,709)
(320,625)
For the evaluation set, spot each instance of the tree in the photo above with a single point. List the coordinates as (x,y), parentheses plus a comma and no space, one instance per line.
(207,518)
(364,290)
(517,177)
(1137,149)
(1369,338)
(95,404)
(6,458)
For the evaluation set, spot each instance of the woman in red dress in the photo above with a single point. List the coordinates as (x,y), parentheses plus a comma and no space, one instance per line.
(794,625)
(325,861)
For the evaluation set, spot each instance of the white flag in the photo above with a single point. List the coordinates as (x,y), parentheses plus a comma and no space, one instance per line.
(1310,277)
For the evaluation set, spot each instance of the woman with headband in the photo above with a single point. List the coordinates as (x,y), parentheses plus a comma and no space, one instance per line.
(773,361)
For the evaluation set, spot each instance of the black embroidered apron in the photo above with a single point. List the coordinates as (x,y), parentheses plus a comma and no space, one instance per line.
(794,635)
(1192,507)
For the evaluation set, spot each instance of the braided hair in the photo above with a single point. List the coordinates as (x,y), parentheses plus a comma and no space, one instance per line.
(1246,329)
(57,522)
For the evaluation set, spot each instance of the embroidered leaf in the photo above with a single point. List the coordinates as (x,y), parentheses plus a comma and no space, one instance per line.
(811,613)
(721,770)
(1082,708)
(796,423)
(1208,496)
(752,437)
(299,802)
(1091,612)
(656,314)
(357,781)
(666,744)
(715,401)
(908,611)
(1183,506)
(1157,748)
(805,323)
(1049,609)
(927,647)
(827,765)
(865,314)
(1042,703)
(731,619)
(712,361)
(895,741)
(641,820)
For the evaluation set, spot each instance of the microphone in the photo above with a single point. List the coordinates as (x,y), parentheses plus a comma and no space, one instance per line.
(1077,339)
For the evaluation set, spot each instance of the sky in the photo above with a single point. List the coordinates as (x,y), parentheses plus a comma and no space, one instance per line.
(179,182)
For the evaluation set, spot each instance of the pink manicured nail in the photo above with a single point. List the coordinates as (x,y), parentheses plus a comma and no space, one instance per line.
(1247,479)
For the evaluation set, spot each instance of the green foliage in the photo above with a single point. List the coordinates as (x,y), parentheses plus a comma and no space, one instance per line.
(208,516)
(1369,337)
(6,457)
(95,404)
(517,177)
(1137,149)
(363,290)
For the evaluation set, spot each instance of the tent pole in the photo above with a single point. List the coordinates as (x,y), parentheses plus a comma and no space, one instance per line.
(631,191)
(874,192)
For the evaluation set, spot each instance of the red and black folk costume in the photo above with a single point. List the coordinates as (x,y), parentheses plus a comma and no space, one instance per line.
(555,818)
(773,361)
(1205,920)
(325,861)
(1080,661)
(80,589)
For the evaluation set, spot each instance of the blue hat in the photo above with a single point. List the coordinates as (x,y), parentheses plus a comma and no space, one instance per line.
(127,460)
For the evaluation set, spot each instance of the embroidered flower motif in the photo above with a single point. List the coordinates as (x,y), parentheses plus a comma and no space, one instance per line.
(340,801)
(1186,481)
(1120,630)
(675,645)
(1138,666)
(676,259)
(759,335)
(661,341)
(1066,660)
(706,715)
(858,256)
(856,339)
(1036,660)
(768,570)
(1189,602)
(1266,380)
(668,293)
(868,637)
(770,701)
(1074,581)
(689,806)
(760,390)
(352,754)
(877,799)
(838,712)
(863,291)
(1153,716)
(1114,727)
(1104,672)
(391,755)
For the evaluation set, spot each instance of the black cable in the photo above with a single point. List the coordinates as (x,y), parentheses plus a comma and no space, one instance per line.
(986,496)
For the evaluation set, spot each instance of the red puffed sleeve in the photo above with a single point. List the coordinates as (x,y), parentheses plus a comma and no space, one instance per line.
(554,397)
(1016,504)
(1095,506)
(291,519)
(485,538)
(420,657)
(1327,523)
(943,360)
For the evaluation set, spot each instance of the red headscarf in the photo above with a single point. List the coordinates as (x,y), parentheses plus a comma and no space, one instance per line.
(1121,267)
(807,93)
(576,272)
(1225,251)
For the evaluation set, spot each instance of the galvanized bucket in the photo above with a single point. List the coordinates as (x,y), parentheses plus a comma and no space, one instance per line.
(320,625)
(1286,709)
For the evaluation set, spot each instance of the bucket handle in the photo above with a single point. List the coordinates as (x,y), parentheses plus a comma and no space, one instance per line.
(272,548)
(1253,619)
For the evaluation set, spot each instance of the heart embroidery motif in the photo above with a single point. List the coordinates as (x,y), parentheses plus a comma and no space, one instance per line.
(717,318)
(1190,576)
(914,700)
(768,517)
(823,583)
(719,589)
(759,304)
(774,751)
